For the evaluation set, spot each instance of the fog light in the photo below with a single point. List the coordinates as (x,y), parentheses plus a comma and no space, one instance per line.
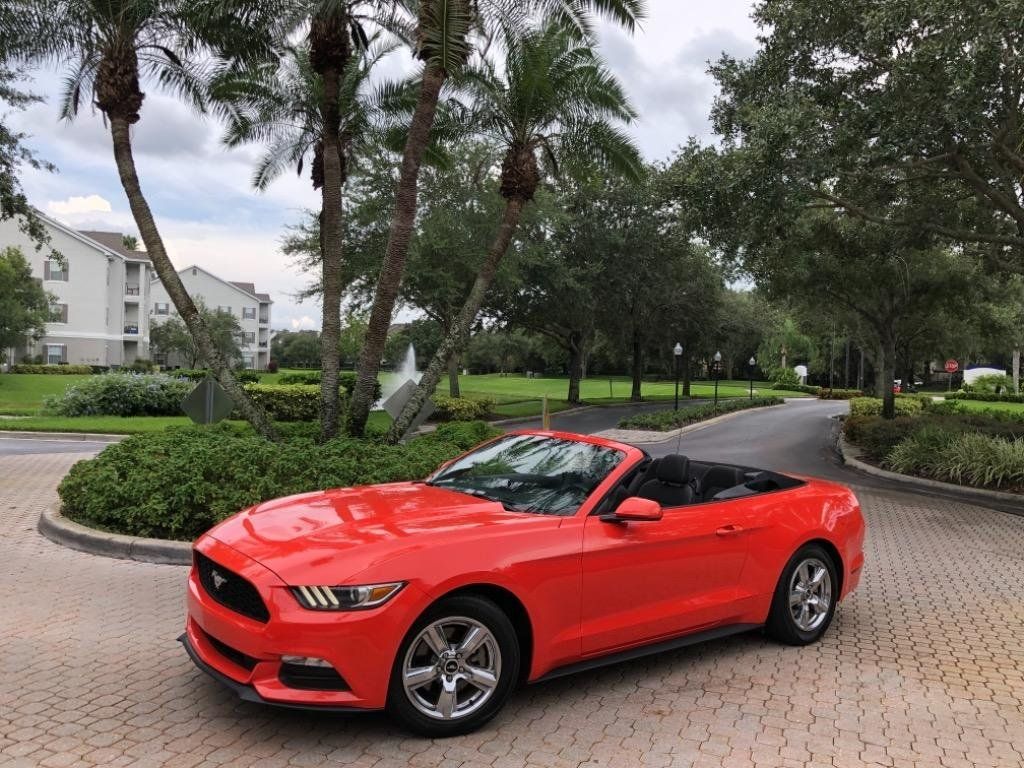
(306,661)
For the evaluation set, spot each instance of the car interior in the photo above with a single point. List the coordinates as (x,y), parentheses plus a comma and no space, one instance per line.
(675,481)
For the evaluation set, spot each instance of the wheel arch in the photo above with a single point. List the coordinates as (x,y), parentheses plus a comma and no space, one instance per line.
(833,552)
(512,606)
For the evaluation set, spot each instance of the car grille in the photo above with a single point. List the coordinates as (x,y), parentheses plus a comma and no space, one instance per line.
(230,590)
(232,654)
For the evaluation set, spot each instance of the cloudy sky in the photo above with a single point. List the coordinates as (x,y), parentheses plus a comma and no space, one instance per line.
(200,192)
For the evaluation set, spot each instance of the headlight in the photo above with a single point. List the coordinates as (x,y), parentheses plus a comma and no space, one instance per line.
(346,598)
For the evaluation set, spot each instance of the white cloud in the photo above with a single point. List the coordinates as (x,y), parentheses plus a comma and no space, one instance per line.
(303,323)
(74,206)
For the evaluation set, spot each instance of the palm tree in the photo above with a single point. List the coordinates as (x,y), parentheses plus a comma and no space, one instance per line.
(442,32)
(554,101)
(110,45)
(284,105)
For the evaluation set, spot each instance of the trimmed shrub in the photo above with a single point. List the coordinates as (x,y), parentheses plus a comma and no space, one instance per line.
(178,483)
(55,370)
(877,436)
(663,421)
(272,366)
(839,394)
(963,458)
(872,406)
(462,408)
(296,402)
(807,389)
(198,374)
(121,394)
(993,384)
(346,380)
(987,397)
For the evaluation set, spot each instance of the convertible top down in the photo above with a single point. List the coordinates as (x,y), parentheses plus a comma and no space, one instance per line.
(534,555)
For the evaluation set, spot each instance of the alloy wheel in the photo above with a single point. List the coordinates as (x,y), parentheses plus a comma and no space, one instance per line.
(810,594)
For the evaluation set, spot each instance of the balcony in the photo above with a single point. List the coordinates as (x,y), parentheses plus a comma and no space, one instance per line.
(131,330)
(132,289)
(264,319)
(263,345)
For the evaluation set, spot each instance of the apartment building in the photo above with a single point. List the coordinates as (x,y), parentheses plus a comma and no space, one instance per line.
(99,296)
(237,298)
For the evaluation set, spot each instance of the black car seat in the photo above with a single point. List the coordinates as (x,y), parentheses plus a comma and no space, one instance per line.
(670,486)
(632,486)
(718,478)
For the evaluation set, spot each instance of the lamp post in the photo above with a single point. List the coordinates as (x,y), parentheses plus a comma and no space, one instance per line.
(752,362)
(677,351)
(717,366)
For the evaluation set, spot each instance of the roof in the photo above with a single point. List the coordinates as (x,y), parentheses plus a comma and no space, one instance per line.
(263,297)
(114,241)
(247,287)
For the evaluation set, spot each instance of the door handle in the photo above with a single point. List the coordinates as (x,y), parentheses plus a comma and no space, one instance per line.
(729,530)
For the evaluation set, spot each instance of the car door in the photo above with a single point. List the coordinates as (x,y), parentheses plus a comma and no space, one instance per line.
(655,579)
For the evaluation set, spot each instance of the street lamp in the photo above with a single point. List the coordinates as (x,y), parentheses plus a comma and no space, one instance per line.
(717,366)
(678,352)
(752,362)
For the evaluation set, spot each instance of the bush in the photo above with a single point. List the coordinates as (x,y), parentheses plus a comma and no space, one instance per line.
(272,366)
(987,397)
(121,394)
(872,406)
(964,458)
(807,389)
(296,402)
(346,380)
(785,378)
(57,370)
(198,374)
(826,393)
(876,436)
(178,483)
(662,421)
(992,384)
(139,365)
(462,408)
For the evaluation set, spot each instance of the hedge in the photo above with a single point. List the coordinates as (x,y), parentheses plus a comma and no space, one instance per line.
(198,374)
(57,370)
(872,406)
(462,408)
(877,437)
(987,397)
(346,380)
(807,389)
(178,483)
(965,458)
(121,394)
(663,421)
(827,393)
(286,403)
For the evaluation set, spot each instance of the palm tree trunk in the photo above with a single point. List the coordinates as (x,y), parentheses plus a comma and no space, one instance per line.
(390,278)
(455,340)
(331,247)
(119,132)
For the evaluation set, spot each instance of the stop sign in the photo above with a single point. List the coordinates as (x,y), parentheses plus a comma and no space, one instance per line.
(952,366)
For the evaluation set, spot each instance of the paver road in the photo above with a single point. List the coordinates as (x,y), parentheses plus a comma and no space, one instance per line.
(923,667)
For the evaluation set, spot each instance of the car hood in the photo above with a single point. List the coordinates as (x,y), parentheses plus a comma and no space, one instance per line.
(329,536)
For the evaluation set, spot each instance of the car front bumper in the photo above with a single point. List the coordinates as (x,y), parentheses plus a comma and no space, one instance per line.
(245,654)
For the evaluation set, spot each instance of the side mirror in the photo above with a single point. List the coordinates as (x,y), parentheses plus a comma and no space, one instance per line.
(635,509)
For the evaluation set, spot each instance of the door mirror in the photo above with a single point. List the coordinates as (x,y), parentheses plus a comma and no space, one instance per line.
(638,510)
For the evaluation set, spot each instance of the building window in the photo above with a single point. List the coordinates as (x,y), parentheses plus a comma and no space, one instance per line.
(248,313)
(56,354)
(250,337)
(58,313)
(52,270)
(225,310)
(247,361)
(161,308)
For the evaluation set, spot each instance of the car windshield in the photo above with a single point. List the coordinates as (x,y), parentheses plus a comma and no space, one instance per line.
(532,473)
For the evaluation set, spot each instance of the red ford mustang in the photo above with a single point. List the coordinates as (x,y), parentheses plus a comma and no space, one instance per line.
(535,555)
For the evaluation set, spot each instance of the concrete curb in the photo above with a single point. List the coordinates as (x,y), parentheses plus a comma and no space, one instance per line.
(525,419)
(88,437)
(851,457)
(650,436)
(58,529)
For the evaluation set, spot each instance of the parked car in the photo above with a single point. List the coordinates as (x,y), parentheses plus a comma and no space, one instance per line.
(535,555)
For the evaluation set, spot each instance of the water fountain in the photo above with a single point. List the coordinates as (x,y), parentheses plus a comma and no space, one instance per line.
(406,371)
(399,387)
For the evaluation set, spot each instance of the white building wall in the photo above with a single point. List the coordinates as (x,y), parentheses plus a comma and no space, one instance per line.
(217,293)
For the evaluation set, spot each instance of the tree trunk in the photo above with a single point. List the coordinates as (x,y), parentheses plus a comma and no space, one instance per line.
(121,137)
(390,278)
(1016,370)
(887,372)
(330,257)
(637,364)
(455,340)
(685,362)
(453,376)
(576,354)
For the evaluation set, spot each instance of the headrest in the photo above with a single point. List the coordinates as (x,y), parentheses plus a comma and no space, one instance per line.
(674,469)
(724,477)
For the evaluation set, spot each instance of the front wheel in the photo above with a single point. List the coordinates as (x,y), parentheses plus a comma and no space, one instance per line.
(455,669)
(805,598)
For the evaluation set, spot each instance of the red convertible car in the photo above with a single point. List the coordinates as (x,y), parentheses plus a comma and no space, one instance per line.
(534,555)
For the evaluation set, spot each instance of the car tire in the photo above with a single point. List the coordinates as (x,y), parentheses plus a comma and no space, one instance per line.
(461,688)
(809,578)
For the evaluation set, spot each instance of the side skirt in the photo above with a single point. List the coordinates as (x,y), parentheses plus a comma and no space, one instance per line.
(647,650)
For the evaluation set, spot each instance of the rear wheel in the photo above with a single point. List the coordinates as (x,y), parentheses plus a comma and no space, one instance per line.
(805,598)
(455,669)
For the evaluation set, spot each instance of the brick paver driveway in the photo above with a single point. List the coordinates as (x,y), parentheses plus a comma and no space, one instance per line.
(924,666)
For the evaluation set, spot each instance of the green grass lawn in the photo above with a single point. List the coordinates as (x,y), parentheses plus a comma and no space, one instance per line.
(131,425)
(979,405)
(23,393)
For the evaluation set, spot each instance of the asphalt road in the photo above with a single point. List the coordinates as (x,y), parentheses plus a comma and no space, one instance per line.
(591,420)
(13,446)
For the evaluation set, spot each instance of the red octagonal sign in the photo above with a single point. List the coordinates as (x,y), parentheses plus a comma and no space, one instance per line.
(952,366)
